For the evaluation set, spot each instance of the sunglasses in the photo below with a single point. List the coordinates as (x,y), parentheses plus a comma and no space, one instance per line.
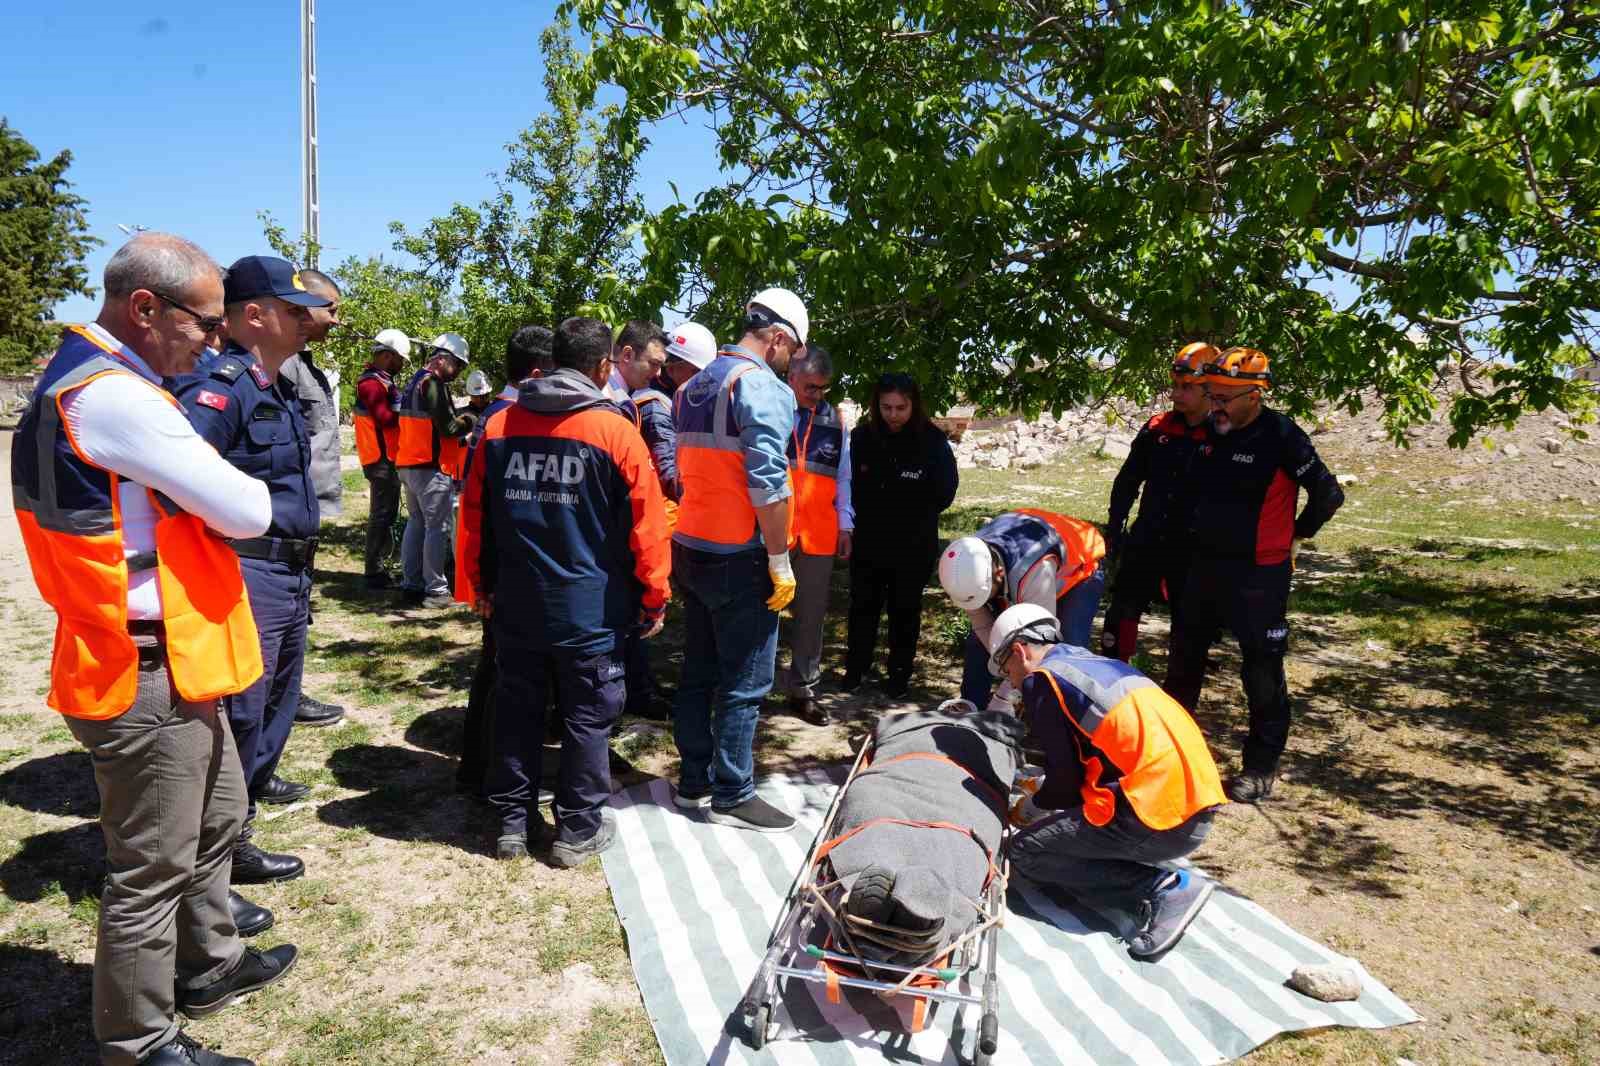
(207,323)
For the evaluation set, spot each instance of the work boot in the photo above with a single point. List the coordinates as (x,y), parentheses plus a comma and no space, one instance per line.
(438,602)
(1167,913)
(252,866)
(508,848)
(567,854)
(316,713)
(1251,786)
(185,1050)
(809,710)
(256,970)
(277,790)
(754,814)
(250,919)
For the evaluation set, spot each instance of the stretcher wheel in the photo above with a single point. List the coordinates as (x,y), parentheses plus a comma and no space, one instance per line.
(758,1026)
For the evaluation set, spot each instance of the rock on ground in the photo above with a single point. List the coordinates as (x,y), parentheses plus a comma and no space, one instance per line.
(1331,983)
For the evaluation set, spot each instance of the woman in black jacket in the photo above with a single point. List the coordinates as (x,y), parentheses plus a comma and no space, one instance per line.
(903,476)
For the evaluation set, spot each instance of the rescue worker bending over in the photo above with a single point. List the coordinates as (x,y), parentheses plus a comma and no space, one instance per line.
(1153,558)
(1128,781)
(564,547)
(1244,535)
(429,461)
(730,553)
(250,415)
(121,507)
(1024,556)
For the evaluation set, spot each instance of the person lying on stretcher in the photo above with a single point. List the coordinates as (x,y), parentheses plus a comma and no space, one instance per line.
(916,838)
(1128,780)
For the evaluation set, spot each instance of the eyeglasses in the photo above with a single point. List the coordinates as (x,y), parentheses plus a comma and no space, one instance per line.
(1225,400)
(207,323)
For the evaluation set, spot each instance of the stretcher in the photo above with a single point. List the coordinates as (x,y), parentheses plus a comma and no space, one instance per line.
(818,940)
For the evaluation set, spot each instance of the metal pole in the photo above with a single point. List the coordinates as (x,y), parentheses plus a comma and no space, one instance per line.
(310,199)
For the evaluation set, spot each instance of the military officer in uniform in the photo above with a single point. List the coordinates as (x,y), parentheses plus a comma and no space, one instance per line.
(252,417)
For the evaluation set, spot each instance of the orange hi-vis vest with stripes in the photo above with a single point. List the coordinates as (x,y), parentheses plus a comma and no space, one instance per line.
(1081,541)
(1132,738)
(815,449)
(71,525)
(716,503)
(375,442)
(420,443)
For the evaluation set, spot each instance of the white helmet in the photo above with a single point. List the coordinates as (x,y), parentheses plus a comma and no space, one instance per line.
(966,570)
(1025,621)
(784,309)
(693,343)
(452,344)
(392,340)
(477,384)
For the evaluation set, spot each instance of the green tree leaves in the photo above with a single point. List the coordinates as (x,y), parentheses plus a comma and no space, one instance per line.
(1033,204)
(43,239)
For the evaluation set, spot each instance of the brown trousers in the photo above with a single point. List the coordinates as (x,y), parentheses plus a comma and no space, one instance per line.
(172,799)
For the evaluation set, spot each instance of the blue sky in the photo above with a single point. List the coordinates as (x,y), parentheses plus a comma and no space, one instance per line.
(186,116)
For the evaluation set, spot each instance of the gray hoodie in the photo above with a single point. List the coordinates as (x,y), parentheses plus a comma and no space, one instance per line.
(562,392)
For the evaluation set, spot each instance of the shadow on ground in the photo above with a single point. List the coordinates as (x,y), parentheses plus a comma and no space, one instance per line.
(44,1007)
(62,784)
(72,860)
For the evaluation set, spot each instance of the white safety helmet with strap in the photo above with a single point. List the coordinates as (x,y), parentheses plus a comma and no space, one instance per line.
(966,570)
(451,344)
(781,308)
(1027,622)
(693,343)
(392,340)
(478,384)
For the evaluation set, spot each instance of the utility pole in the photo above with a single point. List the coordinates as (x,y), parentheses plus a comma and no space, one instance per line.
(310,198)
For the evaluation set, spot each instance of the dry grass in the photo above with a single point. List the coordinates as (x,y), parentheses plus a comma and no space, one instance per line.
(1444,764)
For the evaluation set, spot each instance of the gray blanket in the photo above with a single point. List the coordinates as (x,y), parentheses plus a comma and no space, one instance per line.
(926,882)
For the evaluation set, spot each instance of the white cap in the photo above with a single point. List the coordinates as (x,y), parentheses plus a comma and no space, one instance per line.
(478,384)
(392,340)
(453,344)
(1025,621)
(966,571)
(693,343)
(785,310)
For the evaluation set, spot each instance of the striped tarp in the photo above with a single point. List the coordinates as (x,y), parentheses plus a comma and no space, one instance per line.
(698,903)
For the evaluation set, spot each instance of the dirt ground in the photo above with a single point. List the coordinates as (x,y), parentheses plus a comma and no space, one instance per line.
(1438,819)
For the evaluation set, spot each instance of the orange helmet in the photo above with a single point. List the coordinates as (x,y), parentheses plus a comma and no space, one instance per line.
(1240,366)
(1192,358)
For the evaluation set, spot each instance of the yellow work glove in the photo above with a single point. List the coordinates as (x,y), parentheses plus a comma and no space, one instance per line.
(782,575)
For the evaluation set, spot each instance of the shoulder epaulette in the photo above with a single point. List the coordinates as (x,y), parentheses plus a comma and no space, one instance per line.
(228,368)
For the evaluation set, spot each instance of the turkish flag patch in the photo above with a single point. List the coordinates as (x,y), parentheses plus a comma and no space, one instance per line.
(214,400)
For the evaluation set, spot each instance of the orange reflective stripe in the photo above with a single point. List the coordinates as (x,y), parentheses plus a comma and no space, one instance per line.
(933,756)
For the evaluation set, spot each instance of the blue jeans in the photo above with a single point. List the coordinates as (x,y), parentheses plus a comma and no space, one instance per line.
(729,649)
(1075,612)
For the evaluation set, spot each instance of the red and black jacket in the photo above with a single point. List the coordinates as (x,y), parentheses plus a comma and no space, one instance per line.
(1247,486)
(1163,452)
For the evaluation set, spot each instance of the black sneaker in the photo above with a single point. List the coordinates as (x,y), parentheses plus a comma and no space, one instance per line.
(755,814)
(185,1050)
(256,970)
(1250,787)
(314,712)
(440,602)
(567,854)
(509,848)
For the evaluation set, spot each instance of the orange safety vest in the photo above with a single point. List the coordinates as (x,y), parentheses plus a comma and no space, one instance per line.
(67,508)
(1132,738)
(375,442)
(420,443)
(814,471)
(1082,541)
(716,506)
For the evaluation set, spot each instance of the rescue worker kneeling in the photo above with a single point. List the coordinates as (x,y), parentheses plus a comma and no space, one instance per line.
(564,548)
(1128,780)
